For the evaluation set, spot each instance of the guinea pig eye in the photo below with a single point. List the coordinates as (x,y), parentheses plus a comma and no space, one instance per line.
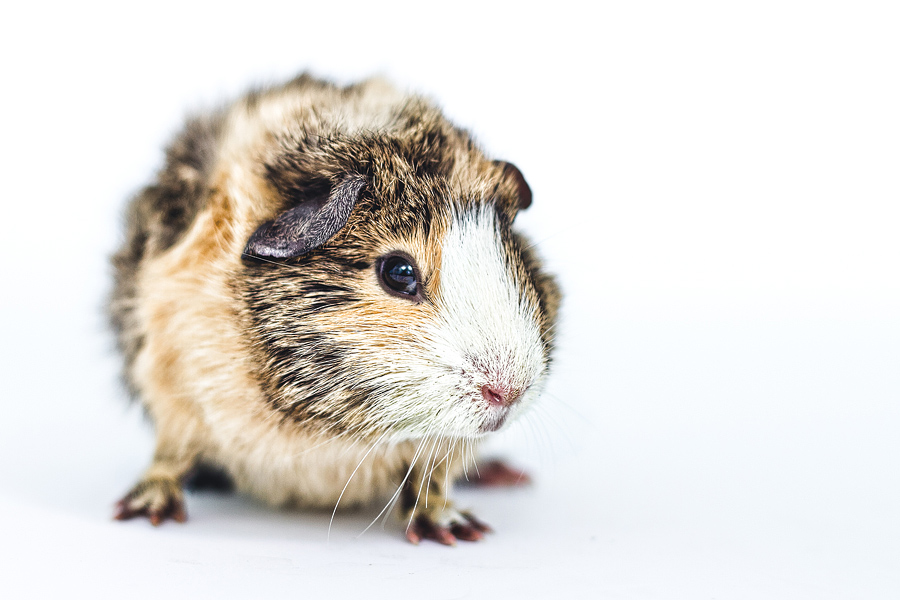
(399,275)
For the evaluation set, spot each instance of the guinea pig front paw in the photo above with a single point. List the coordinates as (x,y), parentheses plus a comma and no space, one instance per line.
(449,526)
(157,499)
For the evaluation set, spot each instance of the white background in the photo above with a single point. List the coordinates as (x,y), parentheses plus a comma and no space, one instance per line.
(716,185)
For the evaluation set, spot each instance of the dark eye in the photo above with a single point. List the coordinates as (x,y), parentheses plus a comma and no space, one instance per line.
(399,275)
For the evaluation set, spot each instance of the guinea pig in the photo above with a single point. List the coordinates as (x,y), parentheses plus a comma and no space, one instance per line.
(322,297)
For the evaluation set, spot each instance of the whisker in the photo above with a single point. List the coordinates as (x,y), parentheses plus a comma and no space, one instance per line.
(430,468)
(419,492)
(389,506)
(336,504)
(328,440)
(447,473)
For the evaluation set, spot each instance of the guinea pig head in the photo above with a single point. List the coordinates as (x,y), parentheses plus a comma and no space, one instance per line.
(399,304)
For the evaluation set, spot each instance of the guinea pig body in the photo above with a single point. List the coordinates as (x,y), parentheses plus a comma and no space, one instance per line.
(322,295)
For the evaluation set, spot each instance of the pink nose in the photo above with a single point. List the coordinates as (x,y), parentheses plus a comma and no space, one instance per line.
(499,396)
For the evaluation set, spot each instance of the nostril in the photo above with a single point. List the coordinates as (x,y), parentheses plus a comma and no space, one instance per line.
(493,395)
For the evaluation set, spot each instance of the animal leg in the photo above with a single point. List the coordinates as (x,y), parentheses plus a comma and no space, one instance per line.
(429,514)
(158,495)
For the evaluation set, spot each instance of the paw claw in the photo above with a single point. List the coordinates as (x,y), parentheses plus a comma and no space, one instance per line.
(414,532)
(467,533)
(479,525)
(121,513)
(445,537)
(157,500)
(423,527)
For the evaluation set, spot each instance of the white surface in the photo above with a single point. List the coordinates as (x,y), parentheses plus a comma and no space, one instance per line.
(717,187)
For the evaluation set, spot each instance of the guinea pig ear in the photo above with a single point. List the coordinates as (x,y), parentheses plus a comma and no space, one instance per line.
(308,225)
(513,174)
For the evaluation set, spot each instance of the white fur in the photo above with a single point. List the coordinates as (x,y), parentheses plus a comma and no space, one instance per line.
(487,333)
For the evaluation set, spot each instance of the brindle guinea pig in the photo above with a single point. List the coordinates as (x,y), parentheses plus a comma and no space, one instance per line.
(322,297)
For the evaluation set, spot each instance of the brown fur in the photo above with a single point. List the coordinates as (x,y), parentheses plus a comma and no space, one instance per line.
(261,368)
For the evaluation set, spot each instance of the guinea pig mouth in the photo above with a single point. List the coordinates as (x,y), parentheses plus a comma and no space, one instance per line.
(494,419)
